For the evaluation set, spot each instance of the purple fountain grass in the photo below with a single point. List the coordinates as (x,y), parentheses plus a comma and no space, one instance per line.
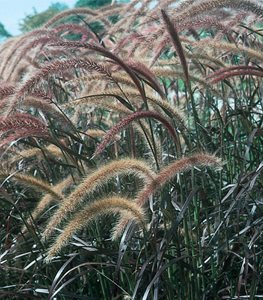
(20,134)
(50,150)
(44,95)
(47,53)
(205,6)
(234,21)
(98,133)
(177,44)
(135,98)
(94,15)
(36,41)
(247,5)
(159,49)
(131,18)
(227,72)
(105,12)
(21,42)
(207,22)
(6,90)
(233,68)
(106,53)
(164,176)
(182,6)
(237,73)
(47,199)
(19,126)
(54,35)
(5,46)
(127,39)
(74,28)
(48,108)
(55,67)
(91,212)
(86,33)
(94,181)
(118,26)
(32,44)
(140,68)
(201,23)
(222,45)
(177,167)
(19,121)
(127,120)
(23,68)
(35,183)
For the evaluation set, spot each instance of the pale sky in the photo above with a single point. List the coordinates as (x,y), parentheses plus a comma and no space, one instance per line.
(13,11)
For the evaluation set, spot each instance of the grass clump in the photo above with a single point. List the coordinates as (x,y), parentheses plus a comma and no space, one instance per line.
(134,154)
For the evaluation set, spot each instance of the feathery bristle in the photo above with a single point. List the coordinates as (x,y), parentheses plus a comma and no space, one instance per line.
(177,44)
(127,120)
(164,176)
(93,181)
(48,198)
(34,183)
(93,211)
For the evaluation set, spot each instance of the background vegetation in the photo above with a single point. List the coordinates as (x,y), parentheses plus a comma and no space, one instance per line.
(131,152)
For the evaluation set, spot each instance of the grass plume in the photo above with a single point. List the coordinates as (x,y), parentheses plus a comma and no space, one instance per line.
(35,183)
(53,68)
(127,120)
(91,212)
(177,44)
(164,176)
(47,199)
(93,181)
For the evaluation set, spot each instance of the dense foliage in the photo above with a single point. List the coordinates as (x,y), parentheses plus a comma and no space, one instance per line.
(3,32)
(92,3)
(132,156)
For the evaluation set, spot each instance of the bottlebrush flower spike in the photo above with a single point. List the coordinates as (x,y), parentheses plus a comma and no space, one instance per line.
(35,183)
(19,126)
(6,90)
(93,211)
(177,44)
(49,198)
(48,108)
(127,120)
(234,71)
(94,181)
(54,68)
(179,166)
(165,175)
(106,53)
(143,70)
(18,48)
(75,28)
(50,150)
(204,7)
(19,121)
